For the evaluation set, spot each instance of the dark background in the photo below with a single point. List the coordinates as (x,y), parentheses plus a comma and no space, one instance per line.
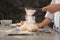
(14,9)
(11,9)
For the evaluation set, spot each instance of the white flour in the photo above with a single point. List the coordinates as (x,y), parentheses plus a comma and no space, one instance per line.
(29,14)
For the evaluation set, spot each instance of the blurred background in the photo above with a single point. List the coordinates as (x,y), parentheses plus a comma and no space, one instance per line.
(14,9)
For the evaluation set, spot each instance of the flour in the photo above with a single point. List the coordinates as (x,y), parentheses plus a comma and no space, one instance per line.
(29,14)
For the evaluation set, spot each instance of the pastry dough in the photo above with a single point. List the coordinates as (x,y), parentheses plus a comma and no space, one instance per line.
(27,26)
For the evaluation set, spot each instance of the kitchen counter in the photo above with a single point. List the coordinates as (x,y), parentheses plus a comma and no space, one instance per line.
(53,35)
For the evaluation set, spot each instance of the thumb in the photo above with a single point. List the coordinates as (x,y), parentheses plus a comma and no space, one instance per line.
(44,9)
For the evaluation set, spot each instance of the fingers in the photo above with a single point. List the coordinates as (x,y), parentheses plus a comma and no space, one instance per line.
(50,8)
(40,25)
(44,9)
(35,28)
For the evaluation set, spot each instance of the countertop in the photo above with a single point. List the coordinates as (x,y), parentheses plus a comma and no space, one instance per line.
(53,35)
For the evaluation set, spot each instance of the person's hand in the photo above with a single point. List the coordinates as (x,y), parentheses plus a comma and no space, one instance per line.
(44,9)
(39,25)
(35,28)
(51,8)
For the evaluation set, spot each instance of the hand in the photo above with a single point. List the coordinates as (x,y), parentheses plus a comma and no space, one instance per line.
(39,25)
(35,28)
(44,9)
(51,8)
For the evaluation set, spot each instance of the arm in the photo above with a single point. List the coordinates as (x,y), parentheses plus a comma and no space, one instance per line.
(52,8)
(45,22)
(48,18)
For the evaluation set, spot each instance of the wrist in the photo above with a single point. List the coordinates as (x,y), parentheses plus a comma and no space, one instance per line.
(39,25)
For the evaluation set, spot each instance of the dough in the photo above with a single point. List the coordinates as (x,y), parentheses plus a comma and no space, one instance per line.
(27,26)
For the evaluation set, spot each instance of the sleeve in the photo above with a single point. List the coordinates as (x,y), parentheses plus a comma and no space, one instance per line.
(53,2)
(50,16)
